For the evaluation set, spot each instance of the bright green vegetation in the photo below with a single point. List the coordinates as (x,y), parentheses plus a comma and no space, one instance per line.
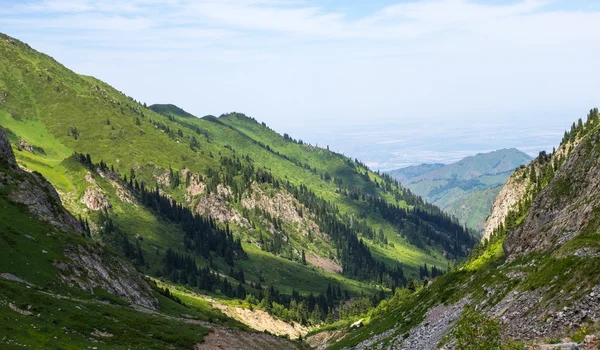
(340,204)
(475,331)
(465,189)
(288,275)
(75,323)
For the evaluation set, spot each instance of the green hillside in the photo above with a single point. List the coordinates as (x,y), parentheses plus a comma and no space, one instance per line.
(59,288)
(465,189)
(225,206)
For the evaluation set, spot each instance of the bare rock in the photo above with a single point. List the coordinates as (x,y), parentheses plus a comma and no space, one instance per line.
(163,178)
(217,207)
(18,310)
(90,267)
(564,207)
(124,194)
(196,187)
(515,188)
(35,192)
(591,342)
(282,205)
(22,145)
(509,196)
(6,152)
(95,199)
(357,324)
(11,277)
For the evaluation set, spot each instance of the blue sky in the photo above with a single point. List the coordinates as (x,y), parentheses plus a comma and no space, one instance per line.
(302,65)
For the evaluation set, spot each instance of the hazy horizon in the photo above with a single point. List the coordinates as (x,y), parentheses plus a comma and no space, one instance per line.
(404,143)
(321,70)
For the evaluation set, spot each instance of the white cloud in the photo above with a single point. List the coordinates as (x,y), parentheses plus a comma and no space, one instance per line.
(440,59)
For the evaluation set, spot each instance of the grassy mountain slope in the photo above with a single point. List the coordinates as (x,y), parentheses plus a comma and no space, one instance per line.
(467,188)
(120,143)
(61,289)
(535,281)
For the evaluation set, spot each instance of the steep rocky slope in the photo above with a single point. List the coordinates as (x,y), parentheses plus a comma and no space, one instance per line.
(509,196)
(535,281)
(566,208)
(519,186)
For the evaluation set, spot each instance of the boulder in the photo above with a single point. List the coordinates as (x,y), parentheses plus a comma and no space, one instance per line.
(22,145)
(591,342)
(357,324)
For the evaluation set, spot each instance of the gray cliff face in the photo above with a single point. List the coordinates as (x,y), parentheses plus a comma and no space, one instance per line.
(509,196)
(41,199)
(34,191)
(516,189)
(565,208)
(90,267)
(6,152)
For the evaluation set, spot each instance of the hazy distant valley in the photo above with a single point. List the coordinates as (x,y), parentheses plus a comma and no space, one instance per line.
(397,144)
(465,189)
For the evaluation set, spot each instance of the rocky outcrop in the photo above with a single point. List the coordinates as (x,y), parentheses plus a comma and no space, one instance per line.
(22,145)
(90,267)
(163,178)
(509,196)
(516,188)
(124,194)
(217,207)
(6,152)
(87,267)
(195,187)
(41,199)
(281,205)
(94,198)
(565,207)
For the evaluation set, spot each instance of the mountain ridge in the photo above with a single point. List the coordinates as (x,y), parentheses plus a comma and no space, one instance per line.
(465,189)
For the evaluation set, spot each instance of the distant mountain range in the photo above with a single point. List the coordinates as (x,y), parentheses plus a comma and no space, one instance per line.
(467,188)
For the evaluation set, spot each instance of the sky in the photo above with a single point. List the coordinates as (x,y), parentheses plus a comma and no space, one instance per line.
(323,69)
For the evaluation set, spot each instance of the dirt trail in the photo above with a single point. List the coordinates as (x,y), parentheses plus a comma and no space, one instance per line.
(323,263)
(260,320)
(226,339)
